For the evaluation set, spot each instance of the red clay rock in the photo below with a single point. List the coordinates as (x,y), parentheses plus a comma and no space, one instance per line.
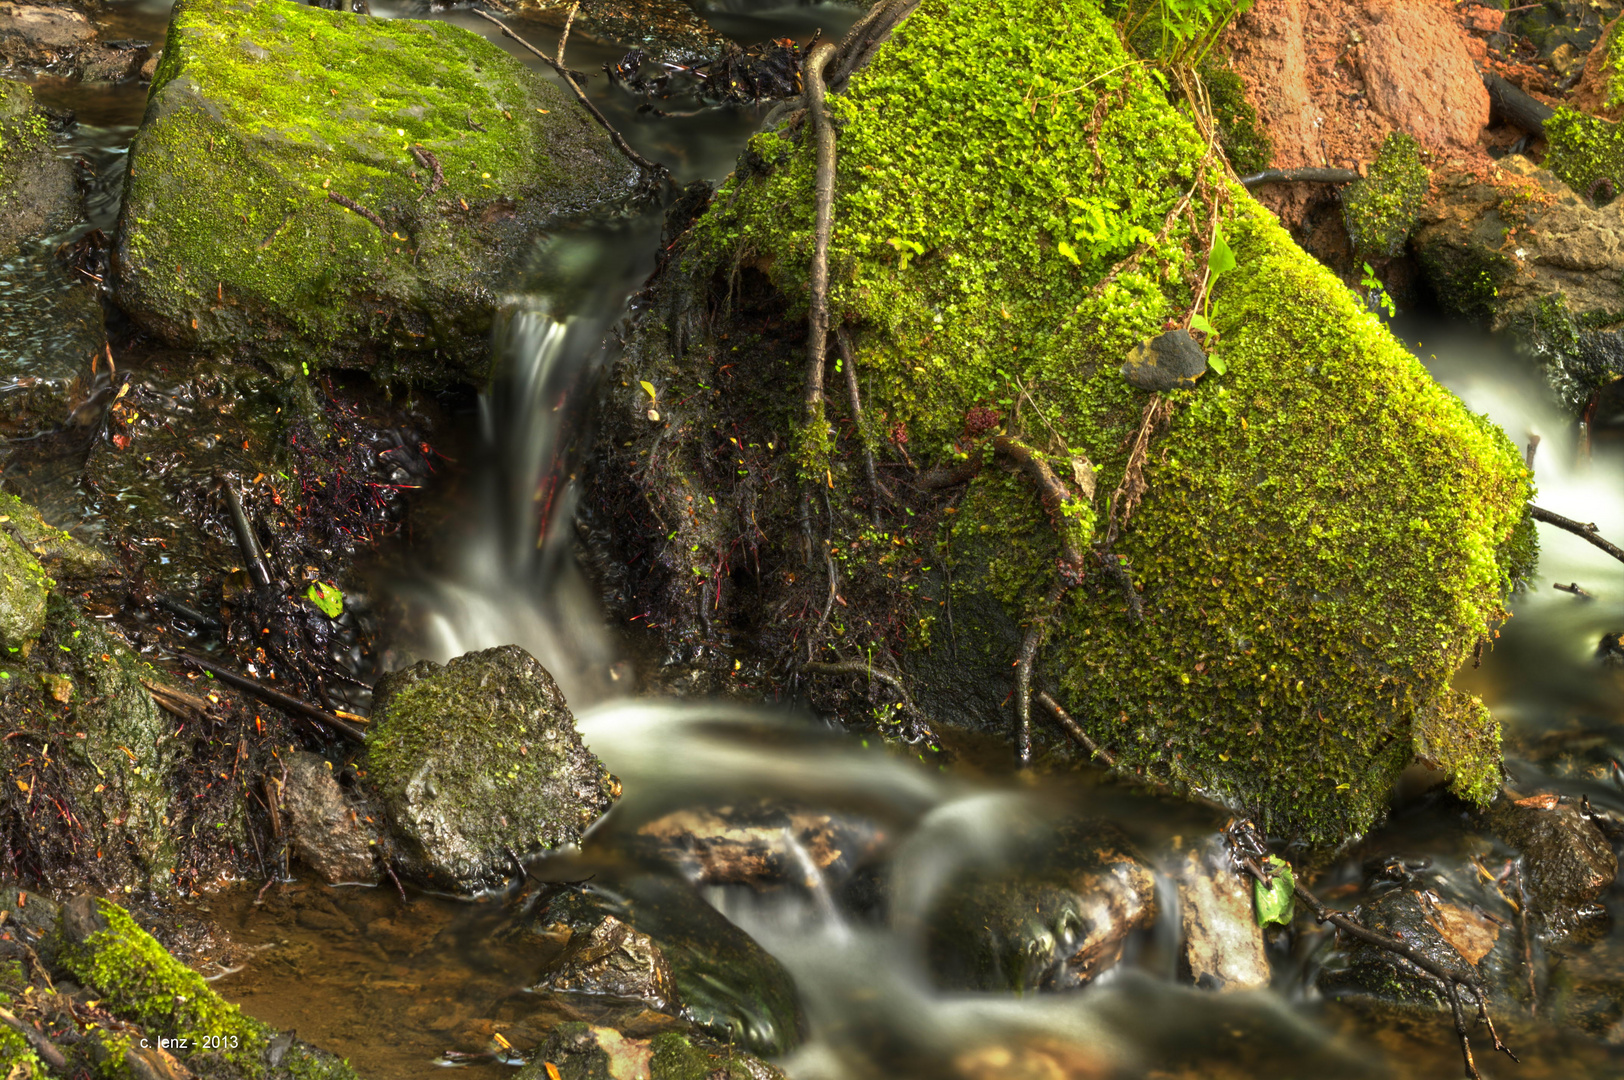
(1418,72)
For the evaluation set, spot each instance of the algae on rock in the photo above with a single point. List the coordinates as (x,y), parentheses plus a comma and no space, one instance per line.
(1380,209)
(38,191)
(1322,538)
(339,186)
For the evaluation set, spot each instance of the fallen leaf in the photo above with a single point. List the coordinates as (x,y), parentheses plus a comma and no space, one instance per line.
(1468,933)
(1544,801)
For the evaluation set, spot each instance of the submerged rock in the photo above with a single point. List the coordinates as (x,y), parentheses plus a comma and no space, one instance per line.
(1222,943)
(1054,919)
(319,185)
(1324,532)
(581,1051)
(478,763)
(665,30)
(630,932)
(38,192)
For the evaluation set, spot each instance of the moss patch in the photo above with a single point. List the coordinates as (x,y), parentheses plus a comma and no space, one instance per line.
(1380,209)
(1322,538)
(1586,152)
(1245,141)
(260,113)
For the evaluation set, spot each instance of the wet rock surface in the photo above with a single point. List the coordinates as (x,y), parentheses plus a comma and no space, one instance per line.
(65,40)
(665,30)
(1054,920)
(1222,944)
(478,763)
(725,983)
(38,191)
(376,232)
(1567,861)
(1164,362)
(326,827)
(581,1051)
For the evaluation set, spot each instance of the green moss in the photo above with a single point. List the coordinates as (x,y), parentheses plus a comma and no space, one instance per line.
(1319,547)
(259,112)
(17,1059)
(1380,208)
(682,1057)
(139,980)
(1613,65)
(1240,132)
(1584,151)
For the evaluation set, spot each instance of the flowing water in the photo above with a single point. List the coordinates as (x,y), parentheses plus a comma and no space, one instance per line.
(403,988)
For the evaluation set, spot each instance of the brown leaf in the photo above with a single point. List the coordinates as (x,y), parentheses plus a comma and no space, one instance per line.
(1470,934)
(1544,801)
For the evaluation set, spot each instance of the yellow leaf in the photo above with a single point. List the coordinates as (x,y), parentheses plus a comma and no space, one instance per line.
(22,785)
(648,388)
(552,1072)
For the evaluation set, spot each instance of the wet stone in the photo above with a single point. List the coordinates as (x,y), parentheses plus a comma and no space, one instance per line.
(477,762)
(579,1051)
(1222,943)
(326,828)
(1053,919)
(724,983)
(1567,861)
(615,960)
(23,591)
(1165,362)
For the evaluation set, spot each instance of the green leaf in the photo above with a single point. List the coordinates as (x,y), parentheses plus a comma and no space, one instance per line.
(1217,363)
(327,598)
(648,388)
(1275,901)
(1069,252)
(1199,322)
(1221,259)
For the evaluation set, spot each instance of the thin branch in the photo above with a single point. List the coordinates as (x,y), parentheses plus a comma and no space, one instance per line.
(299,710)
(868,671)
(564,38)
(1075,730)
(1307,175)
(614,136)
(45,1048)
(865,37)
(247,542)
(1585,531)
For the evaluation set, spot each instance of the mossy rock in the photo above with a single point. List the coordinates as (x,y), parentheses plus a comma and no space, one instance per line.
(59,554)
(1325,530)
(101,946)
(1241,133)
(579,1051)
(38,191)
(1380,208)
(262,114)
(24,586)
(478,761)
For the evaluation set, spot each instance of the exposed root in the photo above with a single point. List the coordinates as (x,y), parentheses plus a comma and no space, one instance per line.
(653,169)
(1310,175)
(1075,730)
(1054,493)
(865,37)
(868,671)
(848,360)
(818,317)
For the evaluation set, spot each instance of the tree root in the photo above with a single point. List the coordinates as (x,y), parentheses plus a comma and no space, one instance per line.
(653,169)
(1250,851)
(865,37)
(1075,730)
(823,135)
(868,671)
(848,360)
(1309,175)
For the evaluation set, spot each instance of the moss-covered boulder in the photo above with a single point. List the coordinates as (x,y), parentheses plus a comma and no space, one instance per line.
(1380,209)
(329,186)
(477,762)
(1270,578)
(23,589)
(62,556)
(165,1006)
(38,192)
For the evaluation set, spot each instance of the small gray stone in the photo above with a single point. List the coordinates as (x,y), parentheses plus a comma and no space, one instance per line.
(1166,362)
(1222,942)
(327,830)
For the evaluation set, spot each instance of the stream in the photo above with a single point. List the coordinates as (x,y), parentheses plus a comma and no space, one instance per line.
(405,988)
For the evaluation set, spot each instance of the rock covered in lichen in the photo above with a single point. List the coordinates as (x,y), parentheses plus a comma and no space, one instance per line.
(23,589)
(1324,532)
(477,762)
(319,184)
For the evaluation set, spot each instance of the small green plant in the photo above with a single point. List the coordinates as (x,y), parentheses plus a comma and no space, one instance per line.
(1376,293)
(1275,901)
(1186,30)
(329,600)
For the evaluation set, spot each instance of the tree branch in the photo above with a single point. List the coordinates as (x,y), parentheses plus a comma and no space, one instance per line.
(1585,531)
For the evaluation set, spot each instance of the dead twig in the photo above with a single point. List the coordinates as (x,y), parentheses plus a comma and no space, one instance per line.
(182,705)
(1585,531)
(1572,587)
(427,159)
(868,671)
(564,38)
(1308,175)
(580,95)
(247,542)
(351,204)
(865,37)
(1075,730)
(45,1048)
(300,710)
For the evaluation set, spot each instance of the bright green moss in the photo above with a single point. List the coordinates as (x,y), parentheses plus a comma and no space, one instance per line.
(1320,544)
(139,980)
(1380,208)
(259,112)
(1613,66)
(1587,153)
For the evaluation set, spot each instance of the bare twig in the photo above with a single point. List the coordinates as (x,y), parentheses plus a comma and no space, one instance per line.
(1075,730)
(301,710)
(45,1048)
(580,95)
(818,317)
(185,706)
(1572,587)
(1585,531)
(564,38)
(1309,175)
(1528,454)
(247,542)
(351,204)
(427,159)
(865,37)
